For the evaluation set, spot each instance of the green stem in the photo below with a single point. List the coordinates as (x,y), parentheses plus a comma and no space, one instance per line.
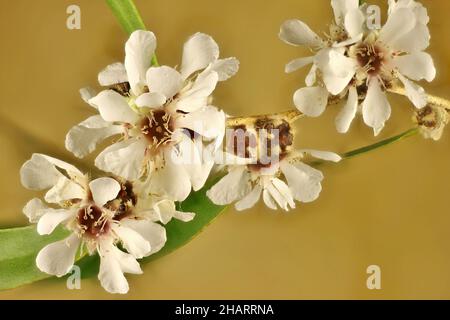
(129,18)
(378,145)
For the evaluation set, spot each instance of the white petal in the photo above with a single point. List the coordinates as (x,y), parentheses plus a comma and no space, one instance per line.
(165,210)
(323,155)
(104,190)
(296,64)
(348,112)
(312,101)
(199,51)
(124,159)
(297,33)
(87,94)
(53,218)
(113,74)
(133,242)
(113,264)
(58,258)
(250,199)
(34,209)
(354,22)
(268,200)
(40,172)
(376,108)
(209,122)
(415,93)
(342,7)
(311,78)
(197,96)
(83,138)
(164,80)
(63,190)
(281,194)
(234,186)
(303,180)
(416,66)
(184,216)
(225,68)
(151,100)
(418,39)
(193,163)
(162,181)
(398,24)
(153,233)
(114,107)
(139,51)
(337,69)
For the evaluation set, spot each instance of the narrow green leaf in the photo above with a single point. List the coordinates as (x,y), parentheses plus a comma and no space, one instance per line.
(383,143)
(18,250)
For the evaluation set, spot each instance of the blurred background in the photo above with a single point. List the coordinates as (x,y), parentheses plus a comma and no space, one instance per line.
(387,208)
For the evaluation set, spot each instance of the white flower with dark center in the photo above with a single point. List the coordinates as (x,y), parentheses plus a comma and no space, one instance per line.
(252,172)
(100,214)
(169,129)
(365,69)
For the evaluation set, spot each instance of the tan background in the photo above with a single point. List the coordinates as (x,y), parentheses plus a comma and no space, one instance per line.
(388,208)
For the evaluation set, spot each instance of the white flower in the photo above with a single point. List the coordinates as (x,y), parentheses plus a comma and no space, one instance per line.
(280,183)
(273,170)
(363,69)
(165,118)
(100,214)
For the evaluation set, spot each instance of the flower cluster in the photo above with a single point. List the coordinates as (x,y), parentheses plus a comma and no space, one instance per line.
(166,138)
(361,63)
(165,133)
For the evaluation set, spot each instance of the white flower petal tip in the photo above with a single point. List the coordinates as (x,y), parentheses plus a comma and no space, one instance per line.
(113,264)
(250,199)
(376,108)
(303,180)
(199,52)
(40,172)
(113,74)
(124,159)
(234,186)
(323,155)
(164,80)
(114,107)
(83,138)
(297,33)
(58,258)
(225,68)
(87,94)
(139,51)
(311,101)
(348,112)
(104,190)
(297,64)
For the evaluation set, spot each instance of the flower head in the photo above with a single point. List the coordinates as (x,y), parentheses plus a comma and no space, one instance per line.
(166,123)
(365,63)
(259,160)
(100,214)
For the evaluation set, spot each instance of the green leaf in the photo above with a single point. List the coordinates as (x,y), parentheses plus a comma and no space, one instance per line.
(20,246)
(18,250)
(381,144)
(129,18)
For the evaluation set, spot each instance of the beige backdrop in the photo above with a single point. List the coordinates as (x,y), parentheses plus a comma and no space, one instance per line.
(389,208)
